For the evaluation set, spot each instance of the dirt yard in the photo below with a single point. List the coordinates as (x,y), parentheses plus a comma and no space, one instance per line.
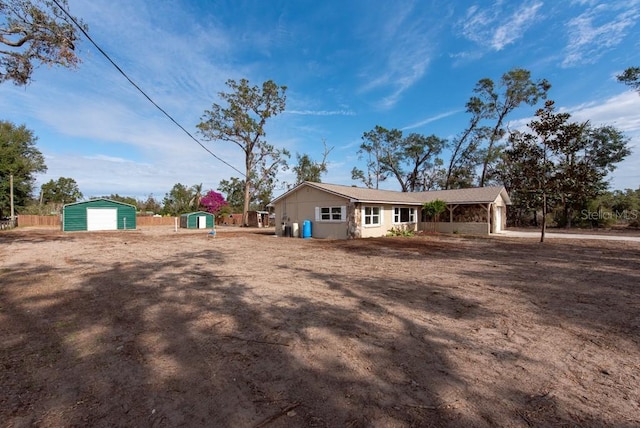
(165,329)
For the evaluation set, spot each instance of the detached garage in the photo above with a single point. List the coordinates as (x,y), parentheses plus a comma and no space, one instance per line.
(98,214)
(197,220)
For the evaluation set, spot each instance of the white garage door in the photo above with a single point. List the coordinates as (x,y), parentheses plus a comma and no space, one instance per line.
(102,218)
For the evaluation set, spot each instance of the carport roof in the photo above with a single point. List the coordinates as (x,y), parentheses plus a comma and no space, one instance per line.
(476,195)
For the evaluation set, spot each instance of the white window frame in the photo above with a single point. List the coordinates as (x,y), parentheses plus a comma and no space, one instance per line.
(397,215)
(335,213)
(371,215)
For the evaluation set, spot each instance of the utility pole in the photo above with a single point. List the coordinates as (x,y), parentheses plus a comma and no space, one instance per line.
(544,214)
(13,214)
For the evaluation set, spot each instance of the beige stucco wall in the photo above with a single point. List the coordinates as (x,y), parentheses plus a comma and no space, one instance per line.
(386,221)
(301,205)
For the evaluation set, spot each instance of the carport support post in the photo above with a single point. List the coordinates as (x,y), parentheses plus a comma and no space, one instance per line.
(451,208)
(175,224)
(488,217)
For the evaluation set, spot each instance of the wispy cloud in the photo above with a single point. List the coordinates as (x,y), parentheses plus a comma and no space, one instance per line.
(598,29)
(321,112)
(431,119)
(495,28)
(108,158)
(621,111)
(410,39)
(515,26)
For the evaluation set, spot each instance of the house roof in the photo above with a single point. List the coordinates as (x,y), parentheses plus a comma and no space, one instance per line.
(476,195)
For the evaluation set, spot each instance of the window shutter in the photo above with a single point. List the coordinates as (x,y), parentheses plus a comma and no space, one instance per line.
(343,213)
(317,213)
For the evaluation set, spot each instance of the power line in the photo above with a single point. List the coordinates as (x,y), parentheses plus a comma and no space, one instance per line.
(143,92)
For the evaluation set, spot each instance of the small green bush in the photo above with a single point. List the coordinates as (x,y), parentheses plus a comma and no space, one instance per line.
(399,231)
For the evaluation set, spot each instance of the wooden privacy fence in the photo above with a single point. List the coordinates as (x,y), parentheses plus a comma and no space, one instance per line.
(54,221)
(156,221)
(39,220)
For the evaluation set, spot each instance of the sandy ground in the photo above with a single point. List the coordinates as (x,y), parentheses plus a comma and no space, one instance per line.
(157,328)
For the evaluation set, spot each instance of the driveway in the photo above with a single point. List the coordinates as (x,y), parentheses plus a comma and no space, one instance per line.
(549,234)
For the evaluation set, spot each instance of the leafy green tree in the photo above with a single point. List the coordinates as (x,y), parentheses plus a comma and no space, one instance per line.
(373,148)
(464,158)
(150,205)
(178,200)
(359,175)
(261,193)
(625,200)
(309,170)
(410,160)
(35,32)
(631,77)
(62,191)
(561,163)
(242,122)
(519,172)
(124,199)
(496,102)
(18,157)
(196,197)
(532,153)
(584,163)
(434,176)
(611,207)
(418,166)
(234,189)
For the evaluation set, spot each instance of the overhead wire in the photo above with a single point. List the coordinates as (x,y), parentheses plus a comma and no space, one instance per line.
(86,34)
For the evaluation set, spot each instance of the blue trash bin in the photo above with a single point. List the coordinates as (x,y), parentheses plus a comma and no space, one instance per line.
(306,229)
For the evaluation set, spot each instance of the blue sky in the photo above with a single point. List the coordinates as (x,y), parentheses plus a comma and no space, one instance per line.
(348,66)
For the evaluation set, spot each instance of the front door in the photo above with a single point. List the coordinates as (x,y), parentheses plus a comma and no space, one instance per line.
(202,222)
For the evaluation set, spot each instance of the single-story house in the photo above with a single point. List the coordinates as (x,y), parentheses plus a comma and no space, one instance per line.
(98,214)
(197,220)
(341,212)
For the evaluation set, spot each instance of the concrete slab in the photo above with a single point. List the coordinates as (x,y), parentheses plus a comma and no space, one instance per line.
(555,235)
